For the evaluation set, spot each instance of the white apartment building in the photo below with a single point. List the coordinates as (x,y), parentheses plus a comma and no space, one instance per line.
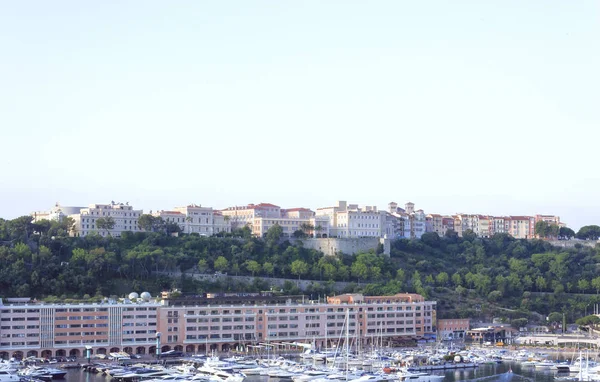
(350,221)
(196,219)
(261,217)
(125,217)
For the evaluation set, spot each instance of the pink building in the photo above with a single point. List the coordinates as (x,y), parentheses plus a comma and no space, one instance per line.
(200,324)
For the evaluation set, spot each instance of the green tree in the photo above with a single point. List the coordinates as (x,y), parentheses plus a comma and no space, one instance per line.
(566,233)
(252,266)
(540,283)
(360,270)
(457,279)
(299,268)
(442,279)
(555,317)
(589,232)
(401,275)
(596,284)
(542,228)
(268,268)
(274,234)
(107,224)
(202,265)
(146,222)
(583,285)
(221,264)
(469,235)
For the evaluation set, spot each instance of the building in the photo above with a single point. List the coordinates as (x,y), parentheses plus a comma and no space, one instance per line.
(452,328)
(196,219)
(58,330)
(351,221)
(522,227)
(201,323)
(261,217)
(56,213)
(124,216)
(550,219)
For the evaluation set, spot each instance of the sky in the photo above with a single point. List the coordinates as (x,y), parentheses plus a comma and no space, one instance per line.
(484,107)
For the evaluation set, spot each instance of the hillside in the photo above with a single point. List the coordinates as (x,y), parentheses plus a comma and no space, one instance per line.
(500,277)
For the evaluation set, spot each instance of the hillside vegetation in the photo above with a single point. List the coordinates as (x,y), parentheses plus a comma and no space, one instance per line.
(469,277)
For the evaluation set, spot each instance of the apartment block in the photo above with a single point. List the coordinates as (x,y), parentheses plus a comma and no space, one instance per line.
(199,324)
(48,330)
(522,227)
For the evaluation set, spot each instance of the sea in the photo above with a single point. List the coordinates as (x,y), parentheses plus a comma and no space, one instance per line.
(502,372)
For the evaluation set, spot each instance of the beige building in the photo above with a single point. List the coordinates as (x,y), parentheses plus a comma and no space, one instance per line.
(522,227)
(125,217)
(196,219)
(351,221)
(261,217)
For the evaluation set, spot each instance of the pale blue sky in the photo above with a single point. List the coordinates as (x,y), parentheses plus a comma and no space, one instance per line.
(459,106)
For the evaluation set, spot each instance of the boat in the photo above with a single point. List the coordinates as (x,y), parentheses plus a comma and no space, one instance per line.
(8,376)
(419,377)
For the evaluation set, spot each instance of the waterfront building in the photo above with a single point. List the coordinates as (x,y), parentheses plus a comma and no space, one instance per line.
(452,328)
(43,330)
(125,217)
(197,324)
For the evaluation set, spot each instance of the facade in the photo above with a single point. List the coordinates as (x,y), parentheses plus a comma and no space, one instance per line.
(453,328)
(125,217)
(261,217)
(522,227)
(351,221)
(203,323)
(48,330)
(413,223)
(196,219)
(499,224)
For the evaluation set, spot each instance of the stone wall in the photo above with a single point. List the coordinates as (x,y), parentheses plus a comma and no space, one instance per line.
(572,243)
(332,246)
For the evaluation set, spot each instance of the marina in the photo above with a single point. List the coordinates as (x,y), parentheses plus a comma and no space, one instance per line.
(418,365)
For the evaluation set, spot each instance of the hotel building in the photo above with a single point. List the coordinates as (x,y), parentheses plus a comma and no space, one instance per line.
(199,324)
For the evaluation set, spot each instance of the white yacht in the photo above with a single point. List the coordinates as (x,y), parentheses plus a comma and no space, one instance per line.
(8,376)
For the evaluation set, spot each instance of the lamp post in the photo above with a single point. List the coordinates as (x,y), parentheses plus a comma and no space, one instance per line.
(157,345)
(88,352)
